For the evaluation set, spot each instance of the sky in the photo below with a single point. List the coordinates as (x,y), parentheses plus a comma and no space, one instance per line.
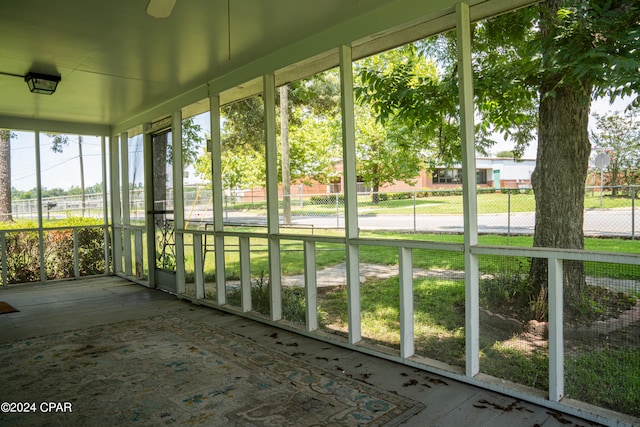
(59,170)
(600,106)
(62,170)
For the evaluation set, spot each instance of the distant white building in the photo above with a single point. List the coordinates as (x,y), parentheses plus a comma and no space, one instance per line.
(507,173)
(495,172)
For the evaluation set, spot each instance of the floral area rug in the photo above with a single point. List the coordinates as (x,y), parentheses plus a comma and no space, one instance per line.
(172,371)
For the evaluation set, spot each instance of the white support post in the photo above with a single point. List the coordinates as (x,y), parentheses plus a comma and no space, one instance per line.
(465,83)
(3,256)
(149,205)
(116,218)
(126,212)
(245,273)
(221,285)
(137,240)
(178,198)
(407,348)
(350,193)
(198,266)
(273,223)
(43,270)
(105,209)
(556,344)
(76,254)
(311,285)
(218,213)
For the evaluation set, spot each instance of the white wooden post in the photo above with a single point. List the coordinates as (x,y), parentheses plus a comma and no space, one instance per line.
(465,83)
(149,205)
(350,193)
(407,347)
(178,198)
(198,266)
(126,211)
(273,223)
(556,345)
(3,256)
(139,258)
(245,273)
(218,209)
(43,270)
(105,209)
(76,254)
(116,216)
(311,285)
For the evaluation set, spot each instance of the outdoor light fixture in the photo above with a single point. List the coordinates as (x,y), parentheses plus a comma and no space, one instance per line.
(160,8)
(41,83)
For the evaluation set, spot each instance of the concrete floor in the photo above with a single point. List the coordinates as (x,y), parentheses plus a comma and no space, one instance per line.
(57,307)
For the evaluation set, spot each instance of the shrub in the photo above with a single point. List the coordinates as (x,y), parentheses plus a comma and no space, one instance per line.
(293,300)
(396,196)
(91,246)
(58,254)
(23,260)
(23,250)
(509,292)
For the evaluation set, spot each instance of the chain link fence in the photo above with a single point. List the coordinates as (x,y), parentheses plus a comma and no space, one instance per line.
(59,207)
(609,211)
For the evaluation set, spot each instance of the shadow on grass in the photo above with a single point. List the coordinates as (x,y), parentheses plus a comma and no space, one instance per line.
(438,315)
(605,377)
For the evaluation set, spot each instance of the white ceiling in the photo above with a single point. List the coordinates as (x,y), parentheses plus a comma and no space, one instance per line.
(117,62)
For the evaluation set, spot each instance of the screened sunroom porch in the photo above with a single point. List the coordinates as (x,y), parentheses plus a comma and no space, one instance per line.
(172,209)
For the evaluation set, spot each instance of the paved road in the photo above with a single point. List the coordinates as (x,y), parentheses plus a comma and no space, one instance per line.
(597,222)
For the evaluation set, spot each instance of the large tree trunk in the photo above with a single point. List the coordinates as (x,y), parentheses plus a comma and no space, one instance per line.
(375,185)
(375,193)
(559,181)
(5,175)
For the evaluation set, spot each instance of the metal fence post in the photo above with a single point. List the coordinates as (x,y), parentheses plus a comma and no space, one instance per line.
(601,191)
(300,196)
(508,212)
(415,227)
(337,212)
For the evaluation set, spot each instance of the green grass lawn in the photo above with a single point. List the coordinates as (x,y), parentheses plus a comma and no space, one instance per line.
(439,314)
(328,254)
(603,374)
(438,203)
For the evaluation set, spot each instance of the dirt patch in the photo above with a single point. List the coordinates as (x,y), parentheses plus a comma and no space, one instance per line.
(607,327)
(616,319)
(619,332)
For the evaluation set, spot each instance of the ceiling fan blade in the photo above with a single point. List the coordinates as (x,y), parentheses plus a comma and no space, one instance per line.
(160,8)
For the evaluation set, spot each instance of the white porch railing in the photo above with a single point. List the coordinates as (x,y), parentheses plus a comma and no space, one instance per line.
(555,394)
